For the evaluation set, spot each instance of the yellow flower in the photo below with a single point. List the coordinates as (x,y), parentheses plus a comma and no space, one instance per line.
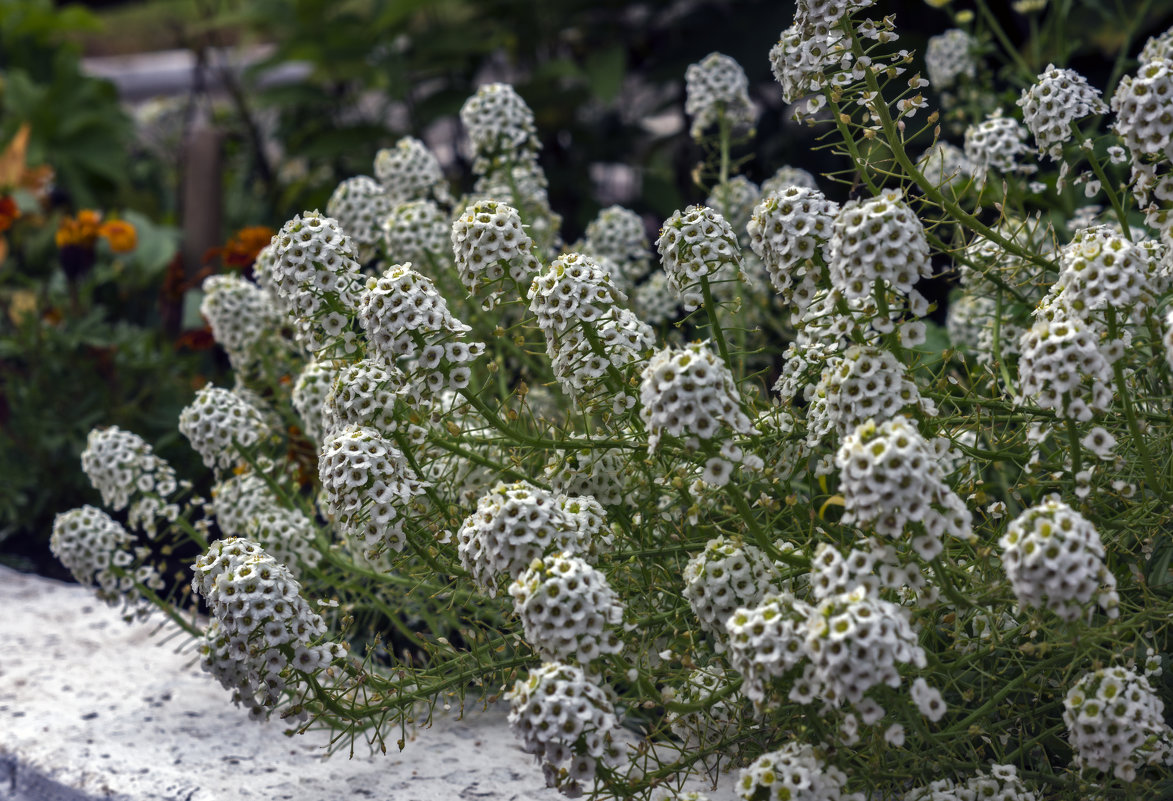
(120,234)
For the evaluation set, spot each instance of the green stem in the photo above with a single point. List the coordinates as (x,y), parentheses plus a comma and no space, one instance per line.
(1105,182)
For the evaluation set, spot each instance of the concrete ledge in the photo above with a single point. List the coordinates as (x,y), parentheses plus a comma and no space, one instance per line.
(94,708)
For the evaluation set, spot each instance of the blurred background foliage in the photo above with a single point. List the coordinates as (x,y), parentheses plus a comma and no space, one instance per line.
(604,77)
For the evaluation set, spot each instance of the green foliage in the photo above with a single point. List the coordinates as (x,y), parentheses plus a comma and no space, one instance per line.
(76,121)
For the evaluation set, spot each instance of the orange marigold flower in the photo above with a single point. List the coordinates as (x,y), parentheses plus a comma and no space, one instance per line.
(120,234)
(81,231)
(8,212)
(241,250)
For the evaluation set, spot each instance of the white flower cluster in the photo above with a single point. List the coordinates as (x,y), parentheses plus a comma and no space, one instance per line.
(879,239)
(366,482)
(598,472)
(245,506)
(1054,559)
(736,199)
(1100,268)
(567,609)
(716,90)
(316,273)
(789,231)
(568,721)
(123,467)
(242,318)
(950,56)
(410,172)
(360,204)
(499,125)
(855,641)
(891,477)
(1116,721)
(767,641)
(1142,106)
(726,575)
(1001,783)
(794,772)
(1058,98)
(1062,368)
(871,563)
(488,241)
(690,393)
(618,235)
(717,720)
(698,245)
(416,232)
(867,383)
(95,546)
(997,143)
(1159,46)
(588,335)
(263,629)
(514,524)
(408,324)
(655,300)
(787,176)
(216,421)
(365,393)
(313,385)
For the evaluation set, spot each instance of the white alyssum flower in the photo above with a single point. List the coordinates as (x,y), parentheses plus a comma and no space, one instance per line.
(950,56)
(417,232)
(568,721)
(489,242)
(766,641)
(499,124)
(315,271)
(1116,721)
(242,317)
(1143,104)
(313,385)
(877,240)
(123,467)
(690,393)
(1000,783)
(367,483)
(891,477)
(217,421)
(1100,268)
(1054,559)
(245,506)
(1062,368)
(409,172)
(698,245)
(360,204)
(516,523)
(260,622)
(617,235)
(785,177)
(789,231)
(794,772)
(568,610)
(1058,98)
(366,393)
(997,143)
(408,324)
(867,383)
(715,89)
(726,575)
(95,548)
(590,338)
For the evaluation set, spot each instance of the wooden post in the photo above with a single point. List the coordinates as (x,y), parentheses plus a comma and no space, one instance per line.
(201,197)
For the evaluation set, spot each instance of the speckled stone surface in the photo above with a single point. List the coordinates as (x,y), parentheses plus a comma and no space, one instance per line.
(95,708)
(91,707)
